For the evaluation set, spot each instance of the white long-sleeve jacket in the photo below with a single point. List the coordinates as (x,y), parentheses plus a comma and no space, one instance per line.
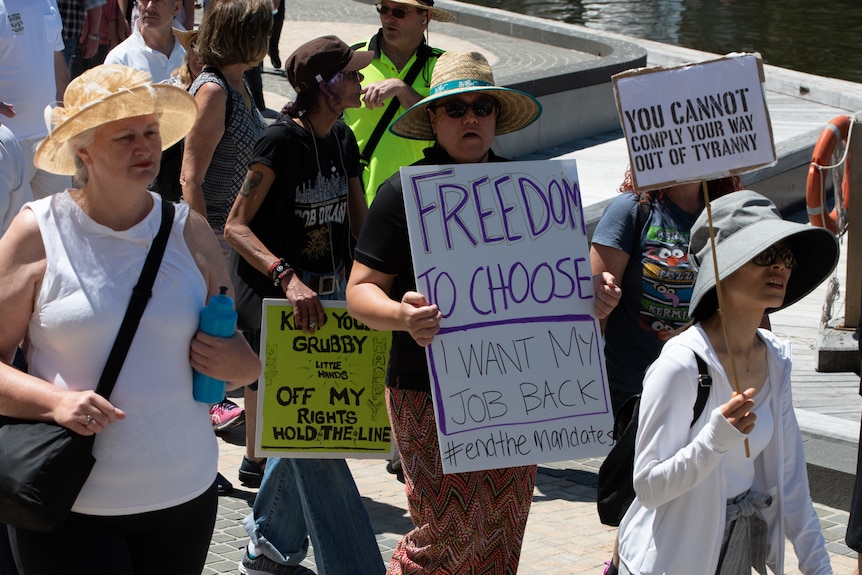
(676,523)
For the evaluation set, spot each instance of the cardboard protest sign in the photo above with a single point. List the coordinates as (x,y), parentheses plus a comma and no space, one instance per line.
(517,371)
(695,122)
(322,395)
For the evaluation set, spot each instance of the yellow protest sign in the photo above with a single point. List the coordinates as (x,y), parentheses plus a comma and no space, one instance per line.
(322,394)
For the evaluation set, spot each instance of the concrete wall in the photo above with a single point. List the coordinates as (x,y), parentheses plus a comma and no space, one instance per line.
(577,99)
(582,112)
(784,183)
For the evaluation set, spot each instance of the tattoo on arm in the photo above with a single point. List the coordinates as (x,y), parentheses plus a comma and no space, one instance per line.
(252,180)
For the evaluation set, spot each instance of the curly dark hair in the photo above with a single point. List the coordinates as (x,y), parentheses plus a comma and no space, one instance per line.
(715,188)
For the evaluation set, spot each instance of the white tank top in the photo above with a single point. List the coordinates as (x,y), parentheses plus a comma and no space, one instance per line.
(164,452)
(739,467)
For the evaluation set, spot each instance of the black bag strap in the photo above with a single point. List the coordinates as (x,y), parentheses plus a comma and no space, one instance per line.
(141,294)
(218,74)
(641,217)
(704,384)
(422,55)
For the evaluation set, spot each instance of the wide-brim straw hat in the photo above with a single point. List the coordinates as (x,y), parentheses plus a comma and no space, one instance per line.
(467,72)
(186,37)
(437,14)
(745,223)
(105,94)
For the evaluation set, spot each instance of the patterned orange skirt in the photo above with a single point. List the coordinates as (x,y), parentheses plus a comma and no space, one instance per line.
(466,523)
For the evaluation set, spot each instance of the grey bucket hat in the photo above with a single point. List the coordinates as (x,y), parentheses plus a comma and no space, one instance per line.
(745,224)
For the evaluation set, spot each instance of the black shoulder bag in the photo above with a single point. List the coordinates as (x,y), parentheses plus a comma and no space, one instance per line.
(422,55)
(616,491)
(45,465)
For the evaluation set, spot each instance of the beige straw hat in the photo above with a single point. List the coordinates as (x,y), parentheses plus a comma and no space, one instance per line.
(437,14)
(104,94)
(186,37)
(460,73)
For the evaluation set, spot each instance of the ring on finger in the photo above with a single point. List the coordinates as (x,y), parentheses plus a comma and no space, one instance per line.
(89,420)
(312,324)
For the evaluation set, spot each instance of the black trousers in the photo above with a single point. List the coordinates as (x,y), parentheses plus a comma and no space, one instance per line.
(173,540)
(254,77)
(277,23)
(7,562)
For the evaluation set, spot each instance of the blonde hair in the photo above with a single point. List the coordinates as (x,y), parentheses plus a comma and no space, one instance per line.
(184,73)
(235,32)
(75,143)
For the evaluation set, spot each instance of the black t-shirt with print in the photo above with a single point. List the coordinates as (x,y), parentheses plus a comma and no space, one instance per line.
(384,245)
(303,218)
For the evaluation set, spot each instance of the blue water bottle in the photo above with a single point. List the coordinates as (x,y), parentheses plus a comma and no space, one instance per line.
(217,318)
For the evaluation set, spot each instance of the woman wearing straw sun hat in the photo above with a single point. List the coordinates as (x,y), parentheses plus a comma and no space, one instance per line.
(469,76)
(70,262)
(705,503)
(463,525)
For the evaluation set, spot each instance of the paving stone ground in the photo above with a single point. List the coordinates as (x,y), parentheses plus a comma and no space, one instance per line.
(564,535)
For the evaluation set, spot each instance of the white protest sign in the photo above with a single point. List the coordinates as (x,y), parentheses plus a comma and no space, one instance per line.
(517,371)
(695,122)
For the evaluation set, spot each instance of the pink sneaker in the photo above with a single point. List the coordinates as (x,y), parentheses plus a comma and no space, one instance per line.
(226,414)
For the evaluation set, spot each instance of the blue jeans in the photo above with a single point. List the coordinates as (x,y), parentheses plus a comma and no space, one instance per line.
(313,497)
(299,498)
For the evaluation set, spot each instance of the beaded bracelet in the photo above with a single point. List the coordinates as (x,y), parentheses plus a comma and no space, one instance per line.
(280,270)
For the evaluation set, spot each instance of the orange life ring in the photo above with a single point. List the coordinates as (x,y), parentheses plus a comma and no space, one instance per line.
(837,129)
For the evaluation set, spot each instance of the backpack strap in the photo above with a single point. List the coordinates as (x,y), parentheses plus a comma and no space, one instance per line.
(704,385)
(641,217)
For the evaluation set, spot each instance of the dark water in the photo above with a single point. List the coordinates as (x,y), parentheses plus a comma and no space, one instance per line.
(812,36)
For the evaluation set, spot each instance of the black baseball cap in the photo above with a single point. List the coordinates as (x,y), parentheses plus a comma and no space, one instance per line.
(322,58)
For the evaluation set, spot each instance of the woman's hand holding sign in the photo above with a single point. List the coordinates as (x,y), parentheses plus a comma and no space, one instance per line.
(608,294)
(739,410)
(307,309)
(421,319)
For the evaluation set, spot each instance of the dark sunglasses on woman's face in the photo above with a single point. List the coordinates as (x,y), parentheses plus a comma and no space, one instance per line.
(458,108)
(399,13)
(771,254)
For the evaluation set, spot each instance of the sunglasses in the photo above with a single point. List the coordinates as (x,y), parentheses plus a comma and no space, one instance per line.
(772,254)
(355,76)
(399,13)
(458,108)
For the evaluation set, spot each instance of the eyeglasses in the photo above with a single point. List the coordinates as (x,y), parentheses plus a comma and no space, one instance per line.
(354,75)
(399,13)
(771,254)
(458,108)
